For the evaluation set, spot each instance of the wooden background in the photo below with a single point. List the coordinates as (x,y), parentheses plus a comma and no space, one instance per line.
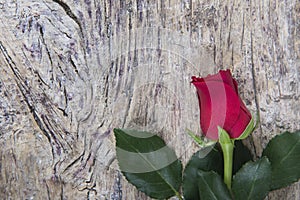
(72,70)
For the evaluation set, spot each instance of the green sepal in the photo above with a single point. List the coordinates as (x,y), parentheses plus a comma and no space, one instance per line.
(249,129)
(224,137)
(201,142)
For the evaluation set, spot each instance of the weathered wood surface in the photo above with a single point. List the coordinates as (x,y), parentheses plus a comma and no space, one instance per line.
(72,70)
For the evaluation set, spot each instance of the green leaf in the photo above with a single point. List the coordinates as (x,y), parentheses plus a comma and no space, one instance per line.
(211,186)
(213,161)
(252,181)
(241,155)
(283,152)
(148,163)
(206,159)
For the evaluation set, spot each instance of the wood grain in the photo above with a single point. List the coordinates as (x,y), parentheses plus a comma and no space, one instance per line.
(73,70)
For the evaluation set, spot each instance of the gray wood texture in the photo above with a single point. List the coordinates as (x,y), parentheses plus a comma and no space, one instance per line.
(72,70)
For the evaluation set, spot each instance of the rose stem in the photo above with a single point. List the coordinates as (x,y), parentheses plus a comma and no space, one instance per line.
(179,196)
(228,157)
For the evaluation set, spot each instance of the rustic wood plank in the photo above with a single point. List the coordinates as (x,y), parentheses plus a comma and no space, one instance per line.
(73,70)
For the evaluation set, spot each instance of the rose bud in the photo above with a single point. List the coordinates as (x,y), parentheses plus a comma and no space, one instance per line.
(220,105)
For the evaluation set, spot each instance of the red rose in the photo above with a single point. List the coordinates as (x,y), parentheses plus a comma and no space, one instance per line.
(220,105)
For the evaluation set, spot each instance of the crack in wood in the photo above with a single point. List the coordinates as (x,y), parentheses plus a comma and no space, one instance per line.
(255,91)
(23,91)
(31,99)
(117,193)
(69,12)
(46,47)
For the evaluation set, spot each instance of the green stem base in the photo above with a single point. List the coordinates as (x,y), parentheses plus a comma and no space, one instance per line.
(228,159)
(227,145)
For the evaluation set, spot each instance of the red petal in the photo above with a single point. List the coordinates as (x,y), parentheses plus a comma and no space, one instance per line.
(235,85)
(245,109)
(223,76)
(219,106)
(240,125)
(196,79)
